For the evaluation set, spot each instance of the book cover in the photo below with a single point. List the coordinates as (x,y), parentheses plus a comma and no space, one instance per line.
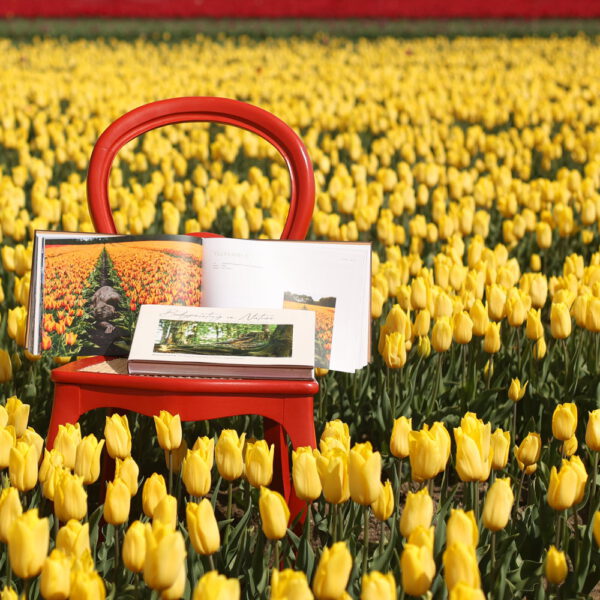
(265,343)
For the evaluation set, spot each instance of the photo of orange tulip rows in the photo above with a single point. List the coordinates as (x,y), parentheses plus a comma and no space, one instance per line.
(462,462)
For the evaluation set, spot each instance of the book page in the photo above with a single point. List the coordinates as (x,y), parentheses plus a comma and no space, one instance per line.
(262,273)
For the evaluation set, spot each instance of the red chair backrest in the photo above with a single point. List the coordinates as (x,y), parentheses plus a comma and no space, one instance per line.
(219,110)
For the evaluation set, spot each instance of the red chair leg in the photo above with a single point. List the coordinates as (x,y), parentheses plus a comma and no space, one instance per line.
(274,434)
(65,409)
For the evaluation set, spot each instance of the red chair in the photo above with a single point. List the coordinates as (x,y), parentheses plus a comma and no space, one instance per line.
(286,406)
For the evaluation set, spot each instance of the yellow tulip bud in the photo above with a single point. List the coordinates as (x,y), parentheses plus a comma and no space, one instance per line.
(473,450)
(332,467)
(333,572)
(569,447)
(31,437)
(422,323)
(212,586)
(70,497)
(23,466)
(418,294)
(418,511)
(6,372)
(418,569)
(134,547)
(480,318)
(422,536)
(383,507)
(128,471)
(424,347)
(560,321)
(288,584)
(425,454)
(259,463)
(394,350)
(202,526)
(206,446)
(462,328)
(543,235)
(364,470)
(66,442)
(516,391)
(154,490)
(399,440)
(118,436)
(596,527)
(18,415)
(8,440)
(564,421)
(165,554)
(168,430)
(228,454)
(500,448)
(496,302)
(87,585)
(377,586)
(195,473)
(274,514)
(338,432)
(592,432)
(117,502)
(460,565)
(534,329)
(74,538)
(462,591)
(529,450)
(10,509)
(462,527)
(491,340)
(562,487)
(441,335)
(166,511)
(55,580)
(87,458)
(28,541)
(305,474)
(555,566)
(175,591)
(582,477)
(498,504)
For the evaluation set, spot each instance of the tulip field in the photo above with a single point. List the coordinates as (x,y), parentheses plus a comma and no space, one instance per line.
(462,462)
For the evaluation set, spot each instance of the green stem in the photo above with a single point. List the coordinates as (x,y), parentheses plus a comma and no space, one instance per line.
(513,433)
(116,551)
(26,588)
(211,562)
(334,520)
(8,570)
(170,455)
(593,489)
(366,539)
(558,527)
(229,508)
(566,356)
(308,521)
(518,497)
(276,554)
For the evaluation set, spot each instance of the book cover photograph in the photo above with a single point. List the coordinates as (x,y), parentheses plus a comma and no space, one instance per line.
(92,289)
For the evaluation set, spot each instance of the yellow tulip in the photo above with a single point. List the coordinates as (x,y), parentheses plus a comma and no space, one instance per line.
(70,497)
(500,442)
(480,318)
(66,442)
(462,591)
(543,233)
(154,490)
(118,436)
(496,302)
(176,457)
(202,527)
(87,458)
(31,437)
(28,541)
(134,547)
(128,471)
(460,565)
(212,586)
(274,514)
(564,421)
(364,470)
(534,329)
(555,566)
(377,586)
(562,488)
(529,450)
(18,415)
(117,502)
(418,569)
(10,509)
(6,372)
(498,504)
(560,321)
(228,454)
(516,391)
(441,335)
(333,572)
(168,430)
(175,591)
(55,579)
(195,473)
(596,527)
(23,466)
(425,454)
(87,585)
(462,328)
(569,447)
(418,511)
(394,350)
(491,339)
(74,539)
(259,463)
(165,554)
(335,434)
(383,507)
(422,536)
(206,446)
(332,467)
(462,527)
(422,323)
(8,440)
(592,431)
(305,474)
(166,511)
(399,439)
(289,585)
(582,477)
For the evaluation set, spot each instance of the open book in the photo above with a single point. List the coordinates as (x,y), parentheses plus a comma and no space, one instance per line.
(87,289)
